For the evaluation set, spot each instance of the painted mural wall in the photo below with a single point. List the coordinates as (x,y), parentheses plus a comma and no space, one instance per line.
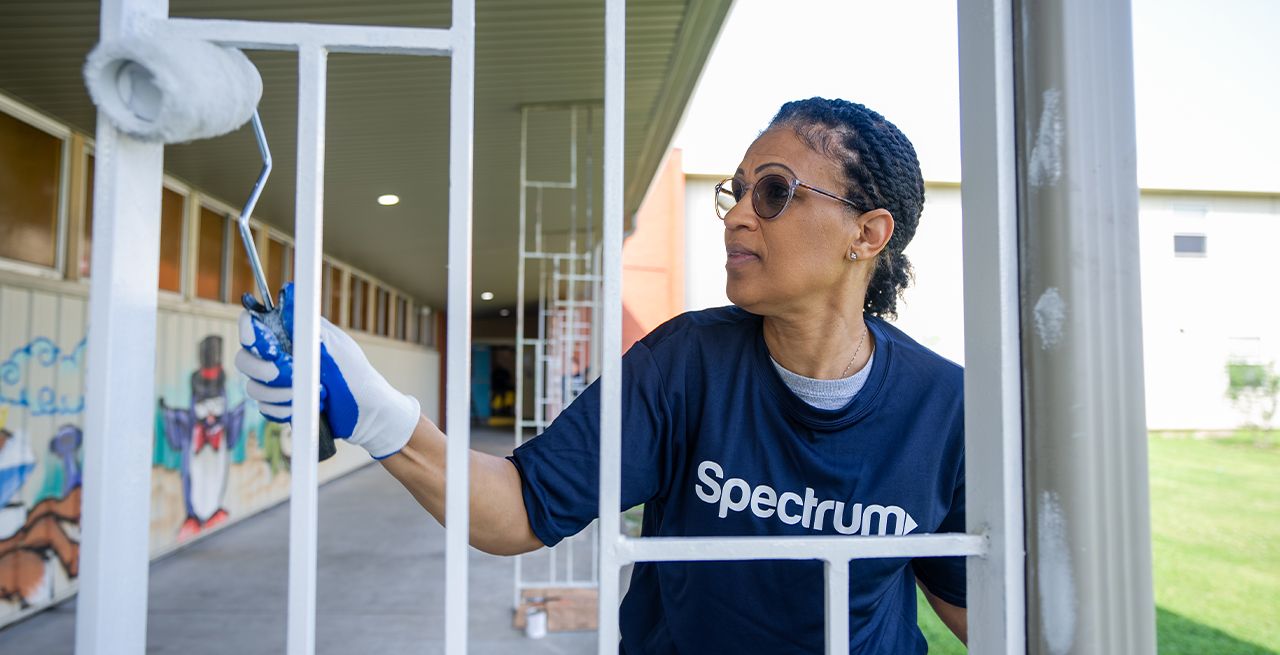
(215,460)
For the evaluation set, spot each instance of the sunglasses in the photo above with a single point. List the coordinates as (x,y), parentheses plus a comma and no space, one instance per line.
(770,195)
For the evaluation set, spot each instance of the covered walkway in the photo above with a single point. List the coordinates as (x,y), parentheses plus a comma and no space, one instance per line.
(381,584)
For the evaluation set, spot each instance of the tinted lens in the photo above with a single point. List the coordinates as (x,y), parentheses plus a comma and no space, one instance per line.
(726,199)
(771,195)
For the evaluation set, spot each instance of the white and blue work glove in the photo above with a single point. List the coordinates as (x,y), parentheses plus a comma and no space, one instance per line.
(362,407)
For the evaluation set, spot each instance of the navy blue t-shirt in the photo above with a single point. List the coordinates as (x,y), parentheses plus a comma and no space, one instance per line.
(715,444)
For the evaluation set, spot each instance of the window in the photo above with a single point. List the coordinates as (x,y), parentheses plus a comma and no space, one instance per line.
(242,280)
(172,210)
(279,264)
(30,175)
(172,207)
(426,327)
(327,305)
(359,294)
(212,251)
(1190,245)
(383,315)
(86,247)
(402,318)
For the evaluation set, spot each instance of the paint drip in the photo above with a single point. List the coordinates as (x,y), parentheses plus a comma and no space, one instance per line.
(274,320)
(1056,585)
(1045,165)
(1050,315)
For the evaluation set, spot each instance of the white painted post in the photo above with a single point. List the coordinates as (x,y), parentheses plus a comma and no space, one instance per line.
(308,241)
(993,377)
(521,342)
(837,606)
(458,399)
(1089,579)
(611,306)
(120,377)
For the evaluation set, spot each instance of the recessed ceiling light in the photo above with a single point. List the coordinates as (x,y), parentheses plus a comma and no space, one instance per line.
(388,200)
(486,295)
(504,312)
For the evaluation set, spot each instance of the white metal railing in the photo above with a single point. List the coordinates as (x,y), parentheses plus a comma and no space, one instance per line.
(993,482)
(122,308)
(568,310)
(113,605)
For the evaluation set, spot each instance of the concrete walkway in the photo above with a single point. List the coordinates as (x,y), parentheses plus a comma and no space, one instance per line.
(381,585)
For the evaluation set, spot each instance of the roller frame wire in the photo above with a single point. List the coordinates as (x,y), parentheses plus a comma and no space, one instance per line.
(246,233)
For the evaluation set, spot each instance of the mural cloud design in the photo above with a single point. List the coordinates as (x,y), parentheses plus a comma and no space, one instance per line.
(43,400)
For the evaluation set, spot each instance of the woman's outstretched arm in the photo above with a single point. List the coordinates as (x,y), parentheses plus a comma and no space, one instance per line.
(499,523)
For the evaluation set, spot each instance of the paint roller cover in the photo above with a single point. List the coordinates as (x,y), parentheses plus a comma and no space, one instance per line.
(172,90)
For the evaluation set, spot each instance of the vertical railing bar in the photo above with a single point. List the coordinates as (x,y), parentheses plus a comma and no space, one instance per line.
(540,351)
(993,382)
(308,241)
(837,606)
(120,377)
(520,344)
(458,394)
(611,307)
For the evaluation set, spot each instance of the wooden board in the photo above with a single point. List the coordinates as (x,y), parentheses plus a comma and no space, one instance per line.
(568,609)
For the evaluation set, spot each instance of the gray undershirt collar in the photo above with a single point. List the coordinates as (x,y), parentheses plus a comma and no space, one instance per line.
(825,394)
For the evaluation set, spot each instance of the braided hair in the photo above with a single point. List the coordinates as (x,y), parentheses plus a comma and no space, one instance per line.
(882,171)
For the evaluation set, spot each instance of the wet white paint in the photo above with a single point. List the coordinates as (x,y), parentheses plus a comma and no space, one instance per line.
(1056,584)
(1050,315)
(1046,154)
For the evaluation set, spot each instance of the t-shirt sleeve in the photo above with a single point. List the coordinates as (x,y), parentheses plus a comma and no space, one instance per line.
(560,468)
(945,576)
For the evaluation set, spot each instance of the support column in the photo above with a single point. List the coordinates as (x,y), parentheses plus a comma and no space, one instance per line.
(1089,586)
(119,423)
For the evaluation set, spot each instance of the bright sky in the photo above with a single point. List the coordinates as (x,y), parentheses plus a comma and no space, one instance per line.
(1207,77)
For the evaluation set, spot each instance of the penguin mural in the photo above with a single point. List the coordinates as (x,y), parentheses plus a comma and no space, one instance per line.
(205,434)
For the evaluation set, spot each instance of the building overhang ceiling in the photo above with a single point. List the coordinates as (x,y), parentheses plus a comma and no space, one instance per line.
(387,117)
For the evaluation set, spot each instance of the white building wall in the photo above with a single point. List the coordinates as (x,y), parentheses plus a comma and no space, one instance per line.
(1198,312)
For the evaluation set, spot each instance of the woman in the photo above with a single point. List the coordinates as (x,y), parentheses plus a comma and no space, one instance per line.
(797,411)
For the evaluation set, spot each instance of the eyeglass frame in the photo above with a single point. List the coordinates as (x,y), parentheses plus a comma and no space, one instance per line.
(793,184)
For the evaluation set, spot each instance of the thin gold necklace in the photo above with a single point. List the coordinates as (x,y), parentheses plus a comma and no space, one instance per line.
(855,353)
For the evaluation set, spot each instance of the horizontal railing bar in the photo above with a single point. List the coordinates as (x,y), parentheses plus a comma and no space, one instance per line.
(269,35)
(534,254)
(551,185)
(830,548)
(536,584)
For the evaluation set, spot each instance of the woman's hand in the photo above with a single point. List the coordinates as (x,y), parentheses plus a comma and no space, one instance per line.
(362,407)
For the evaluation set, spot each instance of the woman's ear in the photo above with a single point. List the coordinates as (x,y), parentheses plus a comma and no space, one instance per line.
(875,228)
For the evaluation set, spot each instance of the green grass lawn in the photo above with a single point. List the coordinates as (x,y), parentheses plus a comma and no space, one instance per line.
(1215,516)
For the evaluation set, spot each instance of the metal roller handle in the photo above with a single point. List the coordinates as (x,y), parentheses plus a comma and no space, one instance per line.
(327,447)
(246,235)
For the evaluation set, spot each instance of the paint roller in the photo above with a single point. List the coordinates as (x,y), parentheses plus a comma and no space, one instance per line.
(168,90)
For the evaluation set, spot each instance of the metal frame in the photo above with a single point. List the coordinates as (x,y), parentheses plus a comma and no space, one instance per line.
(123,303)
(122,309)
(993,377)
(567,288)
(993,469)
